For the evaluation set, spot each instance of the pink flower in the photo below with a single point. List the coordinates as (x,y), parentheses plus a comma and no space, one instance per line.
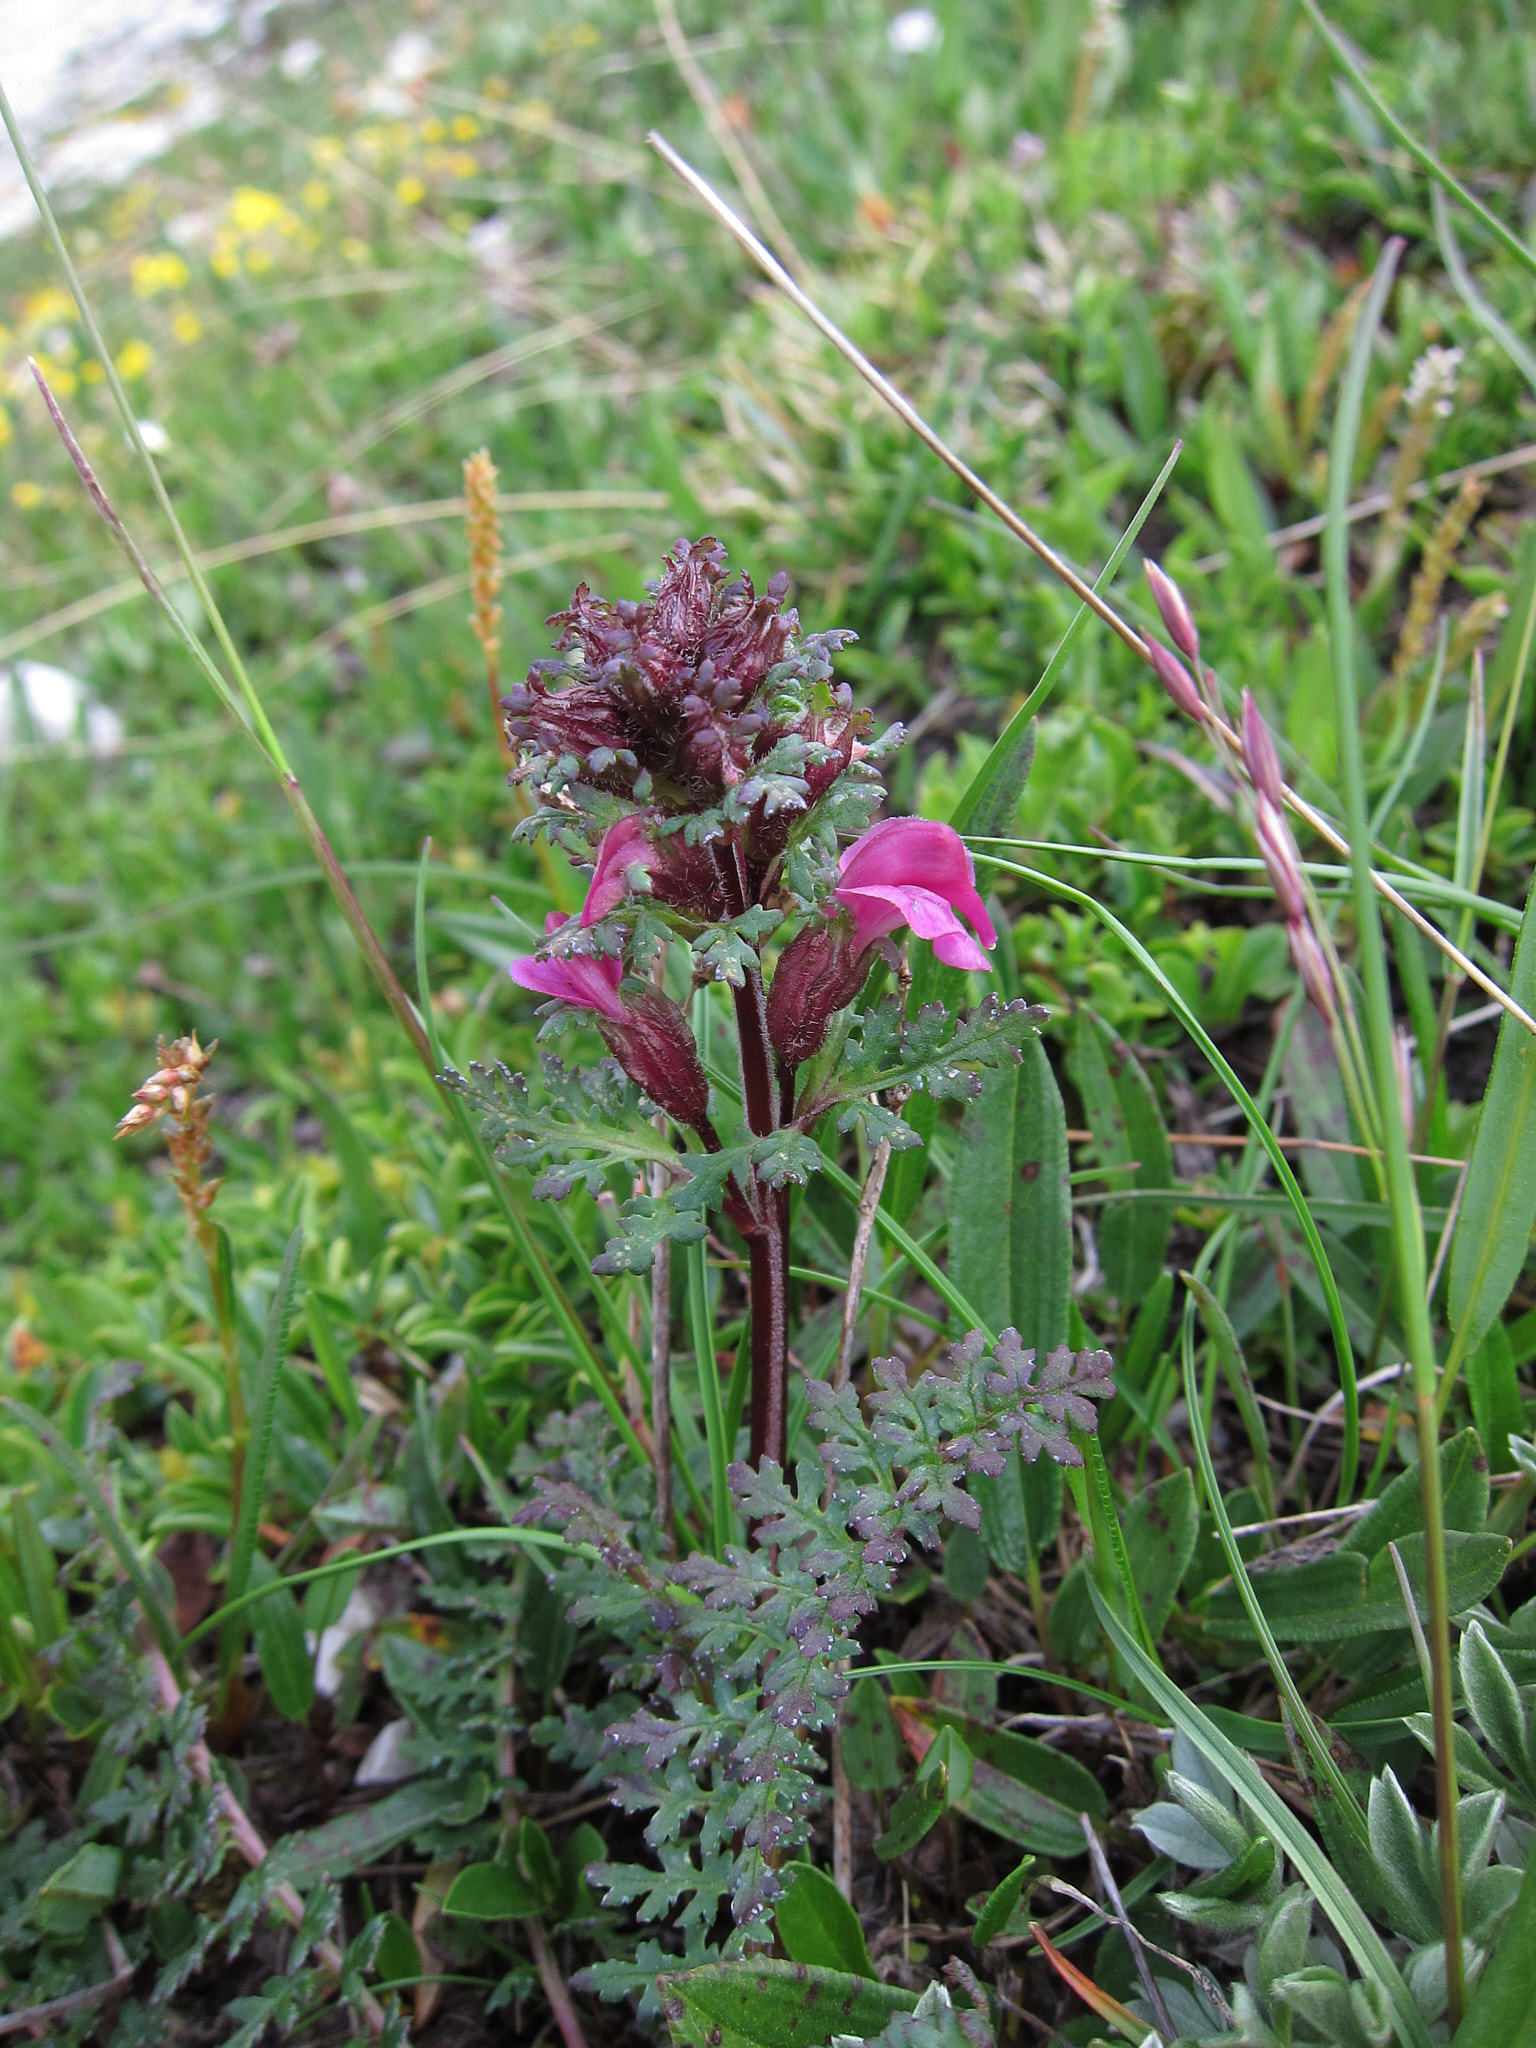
(904,871)
(915,872)
(644,1030)
(584,980)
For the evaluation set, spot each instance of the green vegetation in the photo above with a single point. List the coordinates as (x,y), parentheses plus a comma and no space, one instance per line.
(324,1445)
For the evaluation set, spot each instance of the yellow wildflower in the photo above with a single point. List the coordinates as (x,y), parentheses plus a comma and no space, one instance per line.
(225,260)
(316,195)
(186,327)
(91,371)
(253,210)
(326,150)
(47,307)
(133,360)
(25,494)
(6,429)
(432,130)
(465,127)
(355,249)
(410,191)
(157,273)
(258,259)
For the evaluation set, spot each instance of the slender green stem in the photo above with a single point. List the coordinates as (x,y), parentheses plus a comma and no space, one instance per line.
(1402,1188)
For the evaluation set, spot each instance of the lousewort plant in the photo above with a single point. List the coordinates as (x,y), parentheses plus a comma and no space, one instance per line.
(698,748)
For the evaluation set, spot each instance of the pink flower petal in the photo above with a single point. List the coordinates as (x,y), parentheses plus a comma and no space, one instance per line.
(916,858)
(624,848)
(959,949)
(577,979)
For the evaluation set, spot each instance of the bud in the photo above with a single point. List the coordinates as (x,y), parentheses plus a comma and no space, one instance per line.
(652,1042)
(820,970)
(1312,967)
(1261,754)
(1175,679)
(1281,859)
(1176,614)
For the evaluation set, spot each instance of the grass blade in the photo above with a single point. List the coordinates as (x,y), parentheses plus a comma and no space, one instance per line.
(709,1391)
(274,1350)
(1323,1762)
(1235,1366)
(1281,1825)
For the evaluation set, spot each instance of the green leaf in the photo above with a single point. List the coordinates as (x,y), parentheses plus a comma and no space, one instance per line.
(871,1750)
(1498,1207)
(965,1565)
(1495,1703)
(1501,2013)
(537,1861)
(945,1760)
(1282,1826)
(1332,1599)
(774,2005)
(278,1628)
(1020,1509)
(338,1847)
(999,1909)
(583,1846)
(816,1924)
(1010,1203)
(1128,1128)
(1161,1528)
(79,1889)
(1019,1788)
(397,1959)
(1494,1388)
(916,1812)
(490,1891)
(1400,1510)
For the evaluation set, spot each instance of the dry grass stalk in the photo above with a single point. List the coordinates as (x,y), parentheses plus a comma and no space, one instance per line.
(483,531)
(1330,353)
(1429,581)
(1474,626)
(1430,396)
